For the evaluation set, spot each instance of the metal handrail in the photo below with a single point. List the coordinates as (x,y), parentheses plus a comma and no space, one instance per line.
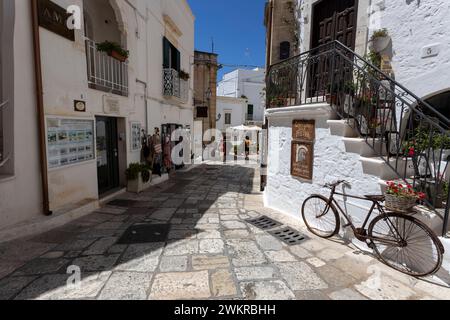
(410,135)
(387,77)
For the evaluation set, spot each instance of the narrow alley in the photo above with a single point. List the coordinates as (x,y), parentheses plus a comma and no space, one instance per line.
(191,238)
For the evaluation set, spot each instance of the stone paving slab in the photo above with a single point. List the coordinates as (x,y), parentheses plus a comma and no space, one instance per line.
(209,252)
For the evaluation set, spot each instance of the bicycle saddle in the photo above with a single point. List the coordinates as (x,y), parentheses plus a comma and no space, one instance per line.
(375,198)
(335,184)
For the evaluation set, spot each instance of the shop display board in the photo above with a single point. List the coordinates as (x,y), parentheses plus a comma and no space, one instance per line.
(69,141)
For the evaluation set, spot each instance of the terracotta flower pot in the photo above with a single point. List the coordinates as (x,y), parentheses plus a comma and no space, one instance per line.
(117,56)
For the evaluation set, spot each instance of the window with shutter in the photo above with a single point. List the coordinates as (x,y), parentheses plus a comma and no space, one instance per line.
(171,56)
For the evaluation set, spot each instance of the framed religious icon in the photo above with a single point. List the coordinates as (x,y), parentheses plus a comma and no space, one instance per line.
(304,130)
(302,159)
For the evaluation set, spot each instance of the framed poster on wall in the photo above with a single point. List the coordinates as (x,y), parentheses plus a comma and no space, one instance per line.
(136,136)
(69,141)
(302,157)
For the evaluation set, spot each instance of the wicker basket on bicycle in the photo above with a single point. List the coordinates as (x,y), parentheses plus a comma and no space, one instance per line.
(401,198)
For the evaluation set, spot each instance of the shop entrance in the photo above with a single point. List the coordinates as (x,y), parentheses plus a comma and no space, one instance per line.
(107,154)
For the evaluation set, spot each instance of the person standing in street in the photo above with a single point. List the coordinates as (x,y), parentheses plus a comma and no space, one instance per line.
(247,148)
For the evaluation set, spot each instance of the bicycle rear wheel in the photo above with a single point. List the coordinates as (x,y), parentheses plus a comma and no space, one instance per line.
(320,218)
(411,247)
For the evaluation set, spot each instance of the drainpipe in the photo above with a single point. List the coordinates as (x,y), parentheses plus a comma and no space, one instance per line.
(40,108)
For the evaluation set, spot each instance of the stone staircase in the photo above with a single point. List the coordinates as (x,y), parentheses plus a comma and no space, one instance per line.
(376,164)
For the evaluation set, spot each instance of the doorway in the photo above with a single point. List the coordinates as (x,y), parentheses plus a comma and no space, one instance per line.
(334,20)
(107,154)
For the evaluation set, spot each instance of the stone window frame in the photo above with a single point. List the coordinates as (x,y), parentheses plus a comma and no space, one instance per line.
(7,20)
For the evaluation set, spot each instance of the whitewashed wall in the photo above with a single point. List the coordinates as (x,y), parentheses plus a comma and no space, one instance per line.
(414,27)
(248,83)
(20,193)
(331,163)
(236,106)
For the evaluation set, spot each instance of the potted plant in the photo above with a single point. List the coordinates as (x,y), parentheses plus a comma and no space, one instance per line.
(331,94)
(380,40)
(184,75)
(139,177)
(113,50)
(402,198)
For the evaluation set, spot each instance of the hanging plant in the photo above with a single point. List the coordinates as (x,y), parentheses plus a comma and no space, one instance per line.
(113,50)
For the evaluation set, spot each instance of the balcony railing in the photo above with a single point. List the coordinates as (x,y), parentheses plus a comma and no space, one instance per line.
(249,117)
(104,72)
(174,86)
(403,130)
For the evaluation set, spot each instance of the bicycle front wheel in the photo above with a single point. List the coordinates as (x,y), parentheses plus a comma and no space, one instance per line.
(320,218)
(406,244)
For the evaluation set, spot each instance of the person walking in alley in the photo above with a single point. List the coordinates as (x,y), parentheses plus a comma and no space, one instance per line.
(247,148)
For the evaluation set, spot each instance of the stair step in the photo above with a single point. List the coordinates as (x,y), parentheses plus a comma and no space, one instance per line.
(365,148)
(343,128)
(377,166)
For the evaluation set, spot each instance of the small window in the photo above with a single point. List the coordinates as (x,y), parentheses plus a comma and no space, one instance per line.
(285,50)
(171,56)
(202,112)
(228,118)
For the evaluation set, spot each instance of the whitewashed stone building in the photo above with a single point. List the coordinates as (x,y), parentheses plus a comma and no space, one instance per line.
(72,116)
(413,61)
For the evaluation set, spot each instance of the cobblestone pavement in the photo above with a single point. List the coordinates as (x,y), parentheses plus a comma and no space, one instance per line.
(210,252)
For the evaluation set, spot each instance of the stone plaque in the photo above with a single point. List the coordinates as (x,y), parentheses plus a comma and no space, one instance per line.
(304,130)
(54,18)
(302,159)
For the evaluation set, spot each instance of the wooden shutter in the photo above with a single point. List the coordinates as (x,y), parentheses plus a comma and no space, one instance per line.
(166,53)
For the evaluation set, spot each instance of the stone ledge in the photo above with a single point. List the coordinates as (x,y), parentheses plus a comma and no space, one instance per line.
(322,110)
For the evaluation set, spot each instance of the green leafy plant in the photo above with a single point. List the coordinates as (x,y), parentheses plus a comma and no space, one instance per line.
(110,47)
(379,34)
(184,75)
(134,169)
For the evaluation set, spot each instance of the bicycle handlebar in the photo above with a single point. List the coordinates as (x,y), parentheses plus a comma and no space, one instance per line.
(334,185)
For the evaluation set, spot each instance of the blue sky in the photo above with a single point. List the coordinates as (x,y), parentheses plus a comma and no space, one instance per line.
(237,28)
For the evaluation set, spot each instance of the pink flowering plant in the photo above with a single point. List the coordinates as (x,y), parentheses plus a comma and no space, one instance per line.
(404,191)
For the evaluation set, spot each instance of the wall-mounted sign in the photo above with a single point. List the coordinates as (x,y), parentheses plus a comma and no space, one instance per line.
(302,157)
(54,18)
(79,106)
(135,136)
(111,105)
(69,141)
(304,130)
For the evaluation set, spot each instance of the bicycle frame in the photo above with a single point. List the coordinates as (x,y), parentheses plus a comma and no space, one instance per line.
(360,233)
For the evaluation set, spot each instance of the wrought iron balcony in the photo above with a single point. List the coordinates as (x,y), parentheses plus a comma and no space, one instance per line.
(174,86)
(406,132)
(249,117)
(104,72)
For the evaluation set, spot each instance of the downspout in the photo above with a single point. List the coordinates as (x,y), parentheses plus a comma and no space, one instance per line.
(40,107)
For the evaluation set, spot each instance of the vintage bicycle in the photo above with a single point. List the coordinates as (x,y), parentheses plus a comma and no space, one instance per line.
(399,240)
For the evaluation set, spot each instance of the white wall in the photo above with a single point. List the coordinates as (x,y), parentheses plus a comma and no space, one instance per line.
(237,107)
(20,194)
(414,26)
(331,163)
(248,83)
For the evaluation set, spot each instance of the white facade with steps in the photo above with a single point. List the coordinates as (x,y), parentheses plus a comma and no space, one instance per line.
(339,154)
